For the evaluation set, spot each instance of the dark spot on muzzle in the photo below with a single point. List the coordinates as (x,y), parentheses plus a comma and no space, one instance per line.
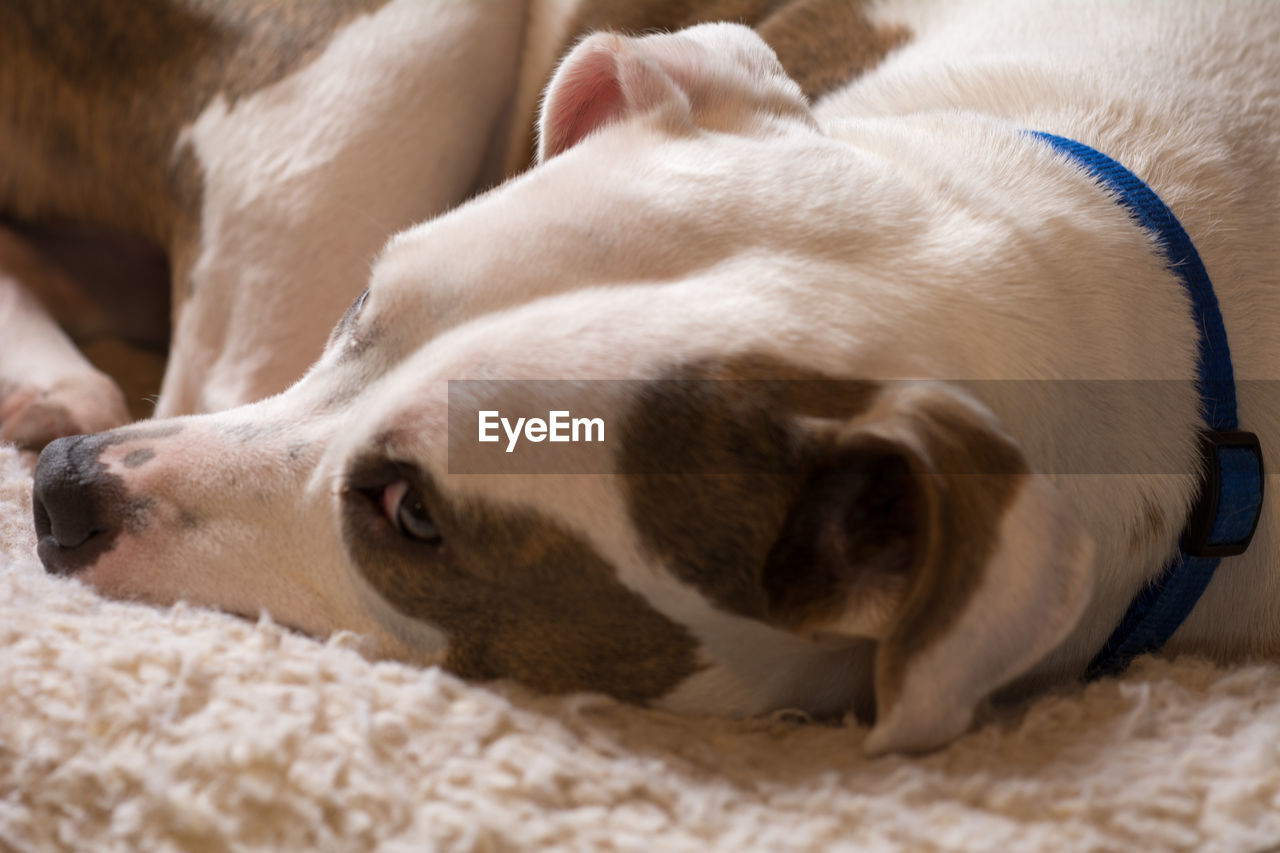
(80,509)
(139,457)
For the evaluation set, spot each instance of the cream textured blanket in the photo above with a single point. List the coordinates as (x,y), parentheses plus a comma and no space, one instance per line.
(124,728)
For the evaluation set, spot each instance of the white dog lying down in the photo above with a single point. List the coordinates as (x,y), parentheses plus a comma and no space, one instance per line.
(886,401)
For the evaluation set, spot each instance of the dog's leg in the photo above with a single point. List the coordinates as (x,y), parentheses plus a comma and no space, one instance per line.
(301,182)
(47,387)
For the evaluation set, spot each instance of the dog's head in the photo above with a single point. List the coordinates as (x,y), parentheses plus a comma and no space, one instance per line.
(745,521)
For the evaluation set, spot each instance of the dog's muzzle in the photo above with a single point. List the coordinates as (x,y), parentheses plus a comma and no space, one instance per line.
(80,508)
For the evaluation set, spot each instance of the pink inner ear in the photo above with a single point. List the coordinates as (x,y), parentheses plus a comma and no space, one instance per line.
(588,95)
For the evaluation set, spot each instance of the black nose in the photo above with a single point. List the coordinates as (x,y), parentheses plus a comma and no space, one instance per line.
(78,506)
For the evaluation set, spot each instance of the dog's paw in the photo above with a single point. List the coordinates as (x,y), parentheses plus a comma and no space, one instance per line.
(32,416)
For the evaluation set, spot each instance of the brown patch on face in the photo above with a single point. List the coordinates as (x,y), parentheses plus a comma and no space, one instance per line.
(849,537)
(517,595)
(750,481)
(714,464)
(824,44)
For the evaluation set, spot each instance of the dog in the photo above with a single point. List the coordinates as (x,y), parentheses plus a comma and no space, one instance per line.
(742,399)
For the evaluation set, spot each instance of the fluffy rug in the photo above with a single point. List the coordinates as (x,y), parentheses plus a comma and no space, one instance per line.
(124,728)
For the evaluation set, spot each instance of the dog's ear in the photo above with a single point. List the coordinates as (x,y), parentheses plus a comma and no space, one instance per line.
(921,526)
(716,76)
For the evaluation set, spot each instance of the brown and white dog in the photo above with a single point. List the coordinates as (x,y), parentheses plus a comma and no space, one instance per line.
(740,399)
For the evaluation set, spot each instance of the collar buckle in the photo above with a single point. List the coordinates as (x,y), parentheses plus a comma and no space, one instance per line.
(1227,508)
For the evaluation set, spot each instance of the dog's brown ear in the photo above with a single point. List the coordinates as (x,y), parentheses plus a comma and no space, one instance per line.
(922,526)
(718,76)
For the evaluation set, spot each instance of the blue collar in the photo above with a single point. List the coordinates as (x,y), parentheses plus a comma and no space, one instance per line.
(1229,503)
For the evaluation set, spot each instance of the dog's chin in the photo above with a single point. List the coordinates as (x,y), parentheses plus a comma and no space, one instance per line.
(123,580)
(124,574)
(109,574)
(120,572)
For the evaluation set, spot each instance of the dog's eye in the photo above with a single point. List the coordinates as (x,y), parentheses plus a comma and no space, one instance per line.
(407,513)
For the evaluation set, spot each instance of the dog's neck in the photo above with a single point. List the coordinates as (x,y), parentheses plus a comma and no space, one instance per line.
(1000,212)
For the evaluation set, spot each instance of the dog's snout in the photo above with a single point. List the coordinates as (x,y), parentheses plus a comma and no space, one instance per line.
(78,507)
